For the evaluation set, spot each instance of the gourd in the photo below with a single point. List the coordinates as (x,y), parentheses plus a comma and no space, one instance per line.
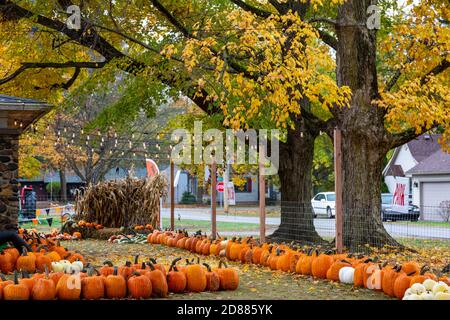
(418,288)
(429,284)
(440,287)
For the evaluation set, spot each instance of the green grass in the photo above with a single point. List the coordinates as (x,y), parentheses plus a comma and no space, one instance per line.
(43,226)
(205,225)
(424,223)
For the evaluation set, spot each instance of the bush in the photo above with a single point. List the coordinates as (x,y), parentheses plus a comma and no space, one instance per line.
(53,187)
(188,198)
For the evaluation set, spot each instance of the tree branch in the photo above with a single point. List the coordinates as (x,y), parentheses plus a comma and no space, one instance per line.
(42,65)
(158,5)
(247,7)
(328,39)
(441,67)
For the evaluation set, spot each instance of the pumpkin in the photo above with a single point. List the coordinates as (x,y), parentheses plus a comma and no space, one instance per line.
(358,277)
(320,265)
(75,256)
(346,274)
(139,287)
(6,262)
(55,276)
(306,262)
(411,268)
(27,280)
(158,266)
(256,257)
(401,283)
(333,271)
(26,262)
(107,268)
(115,285)
(44,288)
(229,278)
(4,282)
(54,256)
(15,254)
(61,251)
(92,286)
(176,280)
(42,262)
(389,277)
(422,276)
(69,287)
(126,270)
(159,282)
(195,278)
(212,279)
(77,235)
(284,262)
(16,291)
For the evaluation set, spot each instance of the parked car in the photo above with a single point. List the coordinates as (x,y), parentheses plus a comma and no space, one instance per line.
(324,203)
(387,213)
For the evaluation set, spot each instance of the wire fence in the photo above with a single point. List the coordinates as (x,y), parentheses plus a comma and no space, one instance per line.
(287,221)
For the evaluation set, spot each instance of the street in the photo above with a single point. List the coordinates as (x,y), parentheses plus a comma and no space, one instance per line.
(325,227)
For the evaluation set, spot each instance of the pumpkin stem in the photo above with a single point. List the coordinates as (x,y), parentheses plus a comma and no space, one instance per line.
(207,266)
(151,265)
(2,277)
(128,264)
(221,262)
(424,269)
(16,277)
(108,263)
(143,266)
(136,259)
(46,271)
(153,260)
(115,270)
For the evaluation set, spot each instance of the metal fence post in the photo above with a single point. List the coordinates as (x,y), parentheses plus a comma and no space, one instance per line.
(338,188)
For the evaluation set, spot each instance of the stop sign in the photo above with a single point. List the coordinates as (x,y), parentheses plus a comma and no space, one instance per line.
(220,186)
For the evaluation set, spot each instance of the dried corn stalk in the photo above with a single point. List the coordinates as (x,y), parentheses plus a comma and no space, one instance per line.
(120,203)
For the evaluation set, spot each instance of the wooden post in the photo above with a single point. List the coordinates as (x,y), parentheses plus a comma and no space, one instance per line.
(213,199)
(172,196)
(338,188)
(262,197)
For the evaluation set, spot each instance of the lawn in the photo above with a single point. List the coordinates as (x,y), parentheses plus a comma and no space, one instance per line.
(255,282)
(441,224)
(205,225)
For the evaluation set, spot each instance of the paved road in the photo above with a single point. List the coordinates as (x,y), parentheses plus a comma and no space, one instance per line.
(325,227)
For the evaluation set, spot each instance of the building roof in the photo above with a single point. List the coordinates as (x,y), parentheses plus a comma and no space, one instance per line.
(395,170)
(424,146)
(437,163)
(14,101)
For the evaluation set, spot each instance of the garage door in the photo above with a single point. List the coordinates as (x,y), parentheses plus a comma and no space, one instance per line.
(433,196)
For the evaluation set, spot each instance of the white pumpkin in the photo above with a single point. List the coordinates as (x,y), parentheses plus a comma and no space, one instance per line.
(418,288)
(427,296)
(346,275)
(60,266)
(408,292)
(429,284)
(78,264)
(440,287)
(414,297)
(442,296)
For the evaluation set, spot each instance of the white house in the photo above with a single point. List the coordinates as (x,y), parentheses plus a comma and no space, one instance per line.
(427,167)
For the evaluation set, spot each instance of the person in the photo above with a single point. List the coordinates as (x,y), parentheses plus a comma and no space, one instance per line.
(10,234)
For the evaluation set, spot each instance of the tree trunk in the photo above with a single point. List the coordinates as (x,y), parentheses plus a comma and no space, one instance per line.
(296,160)
(63,182)
(364,137)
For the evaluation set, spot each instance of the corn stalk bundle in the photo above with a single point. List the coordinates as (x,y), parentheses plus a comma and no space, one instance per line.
(120,203)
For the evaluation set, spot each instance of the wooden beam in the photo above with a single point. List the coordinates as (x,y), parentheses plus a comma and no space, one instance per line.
(213,199)
(338,188)
(262,197)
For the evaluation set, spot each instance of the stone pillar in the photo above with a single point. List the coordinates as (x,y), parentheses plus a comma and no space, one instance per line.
(9,200)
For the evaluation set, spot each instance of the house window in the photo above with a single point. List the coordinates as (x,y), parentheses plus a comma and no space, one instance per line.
(246,188)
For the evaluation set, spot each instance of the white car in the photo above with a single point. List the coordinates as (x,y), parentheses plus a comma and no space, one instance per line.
(324,203)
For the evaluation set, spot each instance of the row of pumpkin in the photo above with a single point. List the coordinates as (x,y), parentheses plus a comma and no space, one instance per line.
(359,271)
(138,281)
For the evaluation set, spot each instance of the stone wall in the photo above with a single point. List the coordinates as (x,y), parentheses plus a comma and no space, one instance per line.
(9,201)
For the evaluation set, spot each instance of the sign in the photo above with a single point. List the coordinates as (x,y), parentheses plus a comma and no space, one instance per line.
(231,194)
(220,186)
(400,200)
(152,168)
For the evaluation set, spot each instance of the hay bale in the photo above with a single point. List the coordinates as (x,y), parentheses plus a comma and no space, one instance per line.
(124,202)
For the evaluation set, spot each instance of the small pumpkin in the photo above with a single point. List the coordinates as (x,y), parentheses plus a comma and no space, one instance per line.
(196,278)
(229,278)
(176,280)
(6,262)
(212,279)
(16,291)
(69,287)
(139,287)
(159,282)
(26,262)
(115,285)
(346,274)
(44,288)
(92,286)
